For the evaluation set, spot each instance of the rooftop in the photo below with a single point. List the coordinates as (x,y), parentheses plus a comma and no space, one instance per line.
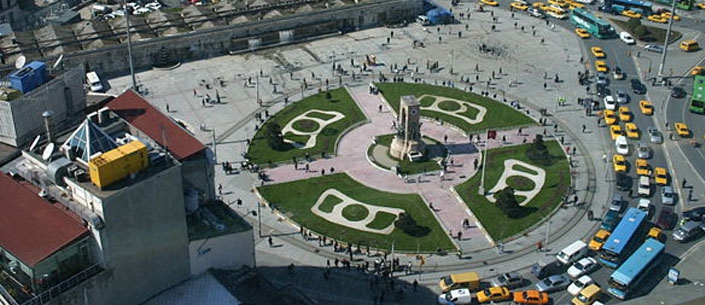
(212,220)
(137,111)
(31,228)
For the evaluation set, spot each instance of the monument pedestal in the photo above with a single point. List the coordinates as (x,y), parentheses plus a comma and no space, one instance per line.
(408,142)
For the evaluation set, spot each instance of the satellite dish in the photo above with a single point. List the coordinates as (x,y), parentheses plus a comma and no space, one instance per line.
(20,61)
(56,64)
(34,143)
(48,151)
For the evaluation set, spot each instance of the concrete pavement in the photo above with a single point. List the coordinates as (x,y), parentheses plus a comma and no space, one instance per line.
(528,61)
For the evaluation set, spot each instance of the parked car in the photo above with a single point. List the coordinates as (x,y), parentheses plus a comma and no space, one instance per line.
(678,92)
(617,203)
(509,280)
(579,284)
(553,283)
(637,86)
(654,48)
(583,266)
(667,195)
(666,219)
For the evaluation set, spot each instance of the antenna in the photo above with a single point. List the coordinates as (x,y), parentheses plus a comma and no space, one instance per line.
(48,151)
(34,143)
(56,64)
(20,61)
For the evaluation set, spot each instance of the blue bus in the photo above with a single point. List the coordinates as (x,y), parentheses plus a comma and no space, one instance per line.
(617,6)
(636,268)
(624,238)
(595,26)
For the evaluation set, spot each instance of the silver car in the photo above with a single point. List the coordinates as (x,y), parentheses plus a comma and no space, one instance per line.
(509,280)
(553,283)
(643,151)
(617,203)
(654,135)
(667,195)
(622,97)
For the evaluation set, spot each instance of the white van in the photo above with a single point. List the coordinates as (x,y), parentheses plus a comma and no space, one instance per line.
(456,296)
(423,20)
(628,39)
(644,187)
(94,82)
(572,253)
(99,10)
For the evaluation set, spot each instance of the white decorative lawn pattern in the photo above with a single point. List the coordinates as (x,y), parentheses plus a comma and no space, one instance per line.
(312,135)
(336,216)
(456,113)
(539,179)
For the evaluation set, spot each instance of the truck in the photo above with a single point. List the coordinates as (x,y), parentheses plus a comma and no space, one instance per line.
(469,280)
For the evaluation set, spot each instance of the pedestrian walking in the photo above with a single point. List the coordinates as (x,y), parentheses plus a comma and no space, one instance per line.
(460,235)
(307,168)
(445,138)
(584,128)
(475,163)
(539,246)
(379,108)
(271,242)
(684,183)
(195,93)
(220,189)
(167,108)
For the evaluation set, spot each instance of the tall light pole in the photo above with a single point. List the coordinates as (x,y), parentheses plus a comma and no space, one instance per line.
(668,37)
(129,46)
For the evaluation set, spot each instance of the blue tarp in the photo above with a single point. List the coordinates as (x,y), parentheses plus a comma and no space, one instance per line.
(439,16)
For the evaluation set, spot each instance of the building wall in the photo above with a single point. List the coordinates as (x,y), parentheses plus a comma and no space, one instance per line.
(236,37)
(198,172)
(222,252)
(10,11)
(145,243)
(21,119)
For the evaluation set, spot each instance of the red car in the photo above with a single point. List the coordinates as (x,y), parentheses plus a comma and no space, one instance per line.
(531,297)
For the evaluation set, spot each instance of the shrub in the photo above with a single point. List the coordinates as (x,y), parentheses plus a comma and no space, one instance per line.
(640,32)
(275,139)
(538,152)
(328,95)
(408,225)
(507,202)
(632,23)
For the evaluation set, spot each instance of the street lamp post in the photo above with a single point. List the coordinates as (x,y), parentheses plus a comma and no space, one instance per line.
(668,37)
(129,46)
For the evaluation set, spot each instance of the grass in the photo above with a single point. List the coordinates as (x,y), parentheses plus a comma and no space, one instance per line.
(296,198)
(497,224)
(260,151)
(355,212)
(381,220)
(305,125)
(498,116)
(449,105)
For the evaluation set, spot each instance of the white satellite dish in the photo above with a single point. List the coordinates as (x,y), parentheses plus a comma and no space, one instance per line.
(34,143)
(56,64)
(20,61)
(48,151)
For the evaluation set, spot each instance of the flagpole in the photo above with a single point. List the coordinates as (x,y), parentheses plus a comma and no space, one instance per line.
(484,162)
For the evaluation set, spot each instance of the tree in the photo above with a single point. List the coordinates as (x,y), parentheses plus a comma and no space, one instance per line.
(275,139)
(538,152)
(633,23)
(640,32)
(507,202)
(409,226)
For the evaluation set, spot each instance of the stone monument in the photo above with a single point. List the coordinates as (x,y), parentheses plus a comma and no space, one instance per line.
(408,143)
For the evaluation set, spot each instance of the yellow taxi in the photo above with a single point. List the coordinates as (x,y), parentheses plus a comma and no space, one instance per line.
(573,4)
(619,163)
(600,66)
(610,117)
(646,107)
(643,168)
(660,176)
(682,129)
(597,51)
(519,5)
(582,33)
(493,294)
(631,130)
(657,18)
(624,114)
(538,5)
(631,14)
(598,240)
(701,5)
(655,233)
(668,16)
(559,3)
(616,131)
(490,2)
(697,70)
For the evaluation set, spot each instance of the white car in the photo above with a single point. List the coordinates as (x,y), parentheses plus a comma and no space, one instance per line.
(579,284)
(621,145)
(153,5)
(644,204)
(667,195)
(622,96)
(141,10)
(583,266)
(610,103)
(628,39)
(643,151)
(602,79)
(644,191)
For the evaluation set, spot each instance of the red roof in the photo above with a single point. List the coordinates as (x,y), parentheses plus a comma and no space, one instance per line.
(133,108)
(30,227)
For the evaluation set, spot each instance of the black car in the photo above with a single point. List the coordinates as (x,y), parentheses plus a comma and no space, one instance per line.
(696,214)
(637,86)
(624,182)
(666,219)
(678,92)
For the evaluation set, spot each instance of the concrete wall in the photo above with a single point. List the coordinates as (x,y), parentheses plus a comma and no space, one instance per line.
(198,171)
(145,244)
(222,252)
(235,37)
(21,119)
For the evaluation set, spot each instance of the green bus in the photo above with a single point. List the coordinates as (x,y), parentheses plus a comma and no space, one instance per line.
(681,4)
(595,26)
(697,101)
